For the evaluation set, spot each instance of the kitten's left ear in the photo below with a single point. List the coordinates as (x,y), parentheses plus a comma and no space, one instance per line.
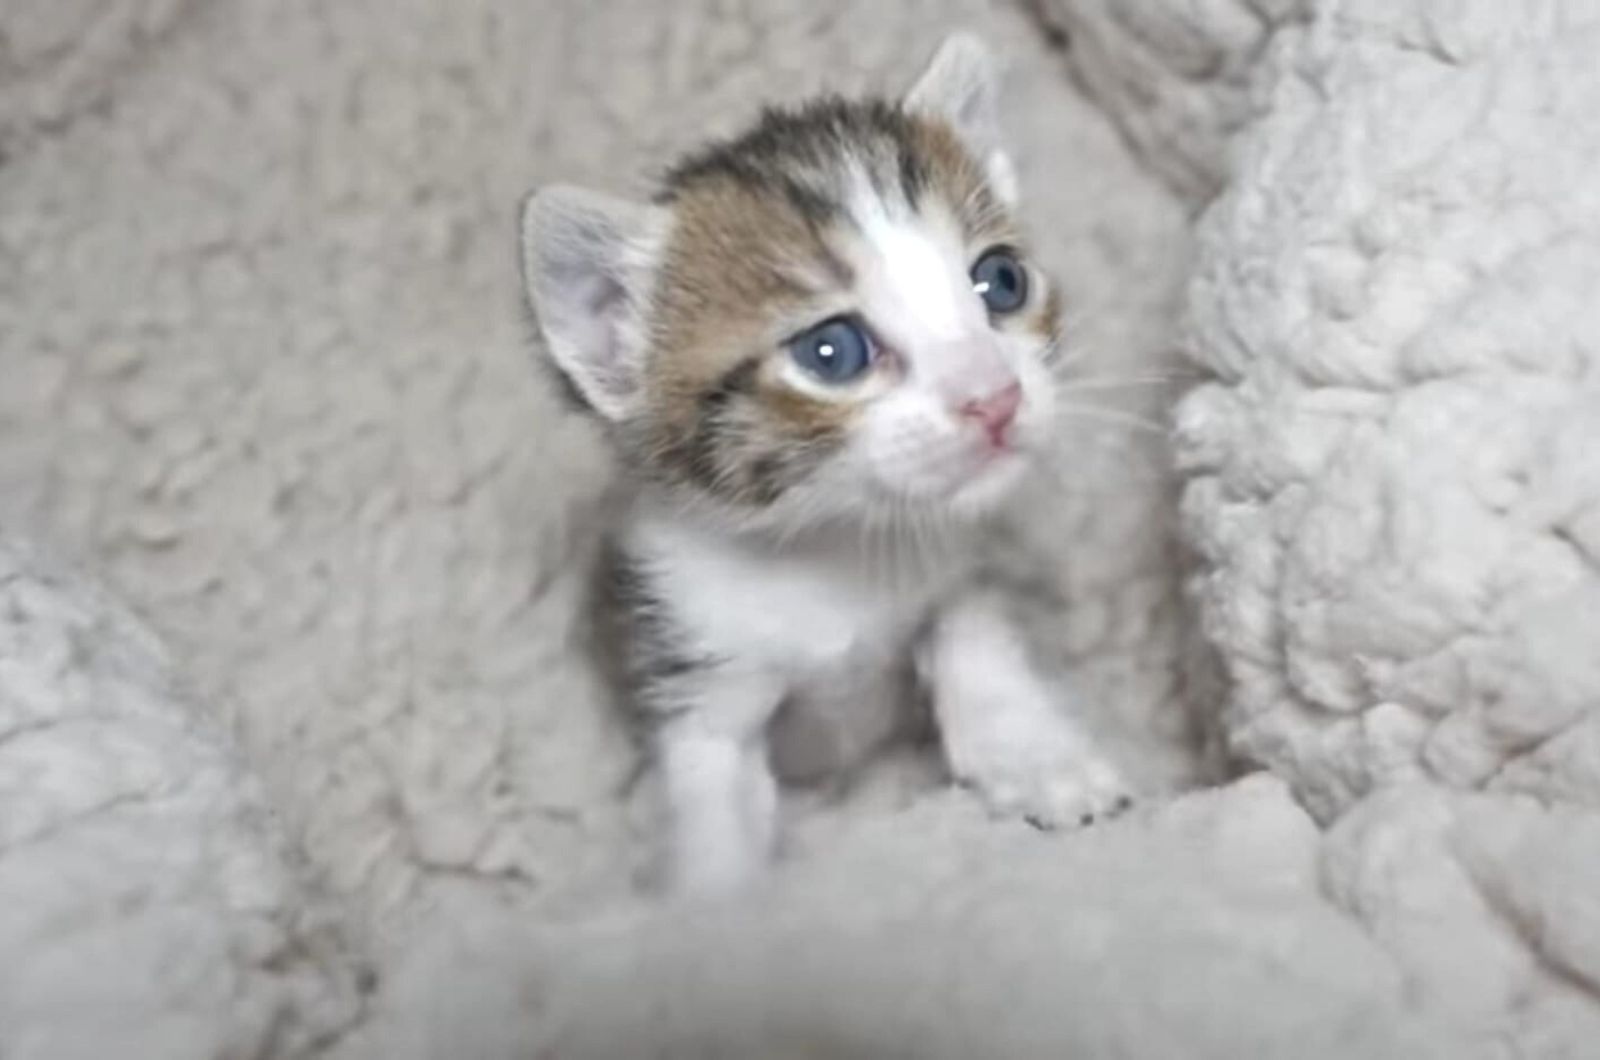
(961,86)
(588,261)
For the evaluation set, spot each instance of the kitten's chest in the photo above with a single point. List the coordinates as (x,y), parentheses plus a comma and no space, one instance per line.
(800,612)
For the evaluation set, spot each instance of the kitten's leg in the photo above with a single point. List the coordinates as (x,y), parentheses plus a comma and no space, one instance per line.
(721,798)
(1003,729)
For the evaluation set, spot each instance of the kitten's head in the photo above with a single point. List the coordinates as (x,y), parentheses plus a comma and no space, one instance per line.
(830,316)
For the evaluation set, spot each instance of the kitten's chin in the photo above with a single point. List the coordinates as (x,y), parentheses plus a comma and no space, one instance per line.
(991,486)
(987,482)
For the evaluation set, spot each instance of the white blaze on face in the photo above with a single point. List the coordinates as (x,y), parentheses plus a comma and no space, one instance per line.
(913,280)
(911,269)
(914,290)
(914,287)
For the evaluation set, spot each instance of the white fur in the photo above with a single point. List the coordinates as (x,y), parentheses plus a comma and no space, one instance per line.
(913,273)
(1004,731)
(820,627)
(790,622)
(721,796)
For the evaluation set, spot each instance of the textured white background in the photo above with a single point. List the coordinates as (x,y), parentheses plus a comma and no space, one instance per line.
(267,366)
(264,367)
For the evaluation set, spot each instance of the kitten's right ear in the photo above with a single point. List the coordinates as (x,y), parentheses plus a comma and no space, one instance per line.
(961,86)
(588,261)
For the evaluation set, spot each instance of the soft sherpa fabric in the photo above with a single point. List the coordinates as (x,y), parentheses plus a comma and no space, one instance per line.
(1177,76)
(1395,482)
(265,368)
(149,906)
(267,365)
(1196,930)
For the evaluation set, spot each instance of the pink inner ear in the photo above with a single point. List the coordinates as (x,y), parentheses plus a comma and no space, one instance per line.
(602,294)
(605,301)
(583,315)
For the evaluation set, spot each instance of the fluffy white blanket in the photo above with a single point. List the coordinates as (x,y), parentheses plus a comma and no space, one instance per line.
(263,368)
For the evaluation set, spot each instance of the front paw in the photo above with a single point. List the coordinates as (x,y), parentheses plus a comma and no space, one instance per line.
(1050,783)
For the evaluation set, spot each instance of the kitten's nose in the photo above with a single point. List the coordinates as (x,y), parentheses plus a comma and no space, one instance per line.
(995,412)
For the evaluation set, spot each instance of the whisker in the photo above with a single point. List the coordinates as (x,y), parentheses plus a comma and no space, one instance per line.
(920,535)
(909,557)
(1096,476)
(1129,383)
(1118,417)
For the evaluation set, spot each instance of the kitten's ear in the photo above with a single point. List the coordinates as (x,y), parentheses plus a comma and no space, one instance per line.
(588,261)
(961,86)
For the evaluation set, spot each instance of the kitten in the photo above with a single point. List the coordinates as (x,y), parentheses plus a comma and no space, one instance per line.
(824,357)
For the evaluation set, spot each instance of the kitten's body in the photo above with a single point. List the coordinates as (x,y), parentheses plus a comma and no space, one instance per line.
(863,600)
(828,371)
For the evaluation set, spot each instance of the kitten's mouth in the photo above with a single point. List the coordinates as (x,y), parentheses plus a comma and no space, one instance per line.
(995,448)
(995,473)
(969,473)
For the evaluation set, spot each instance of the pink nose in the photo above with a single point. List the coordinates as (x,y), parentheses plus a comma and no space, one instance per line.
(995,412)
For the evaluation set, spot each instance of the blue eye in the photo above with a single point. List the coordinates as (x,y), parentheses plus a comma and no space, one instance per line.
(835,351)
(1000,281)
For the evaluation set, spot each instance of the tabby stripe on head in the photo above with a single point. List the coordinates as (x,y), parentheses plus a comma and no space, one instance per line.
(813,206)
(914,176)
(808,141)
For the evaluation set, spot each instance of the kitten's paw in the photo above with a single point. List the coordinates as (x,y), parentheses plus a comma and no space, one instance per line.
(1050,784)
